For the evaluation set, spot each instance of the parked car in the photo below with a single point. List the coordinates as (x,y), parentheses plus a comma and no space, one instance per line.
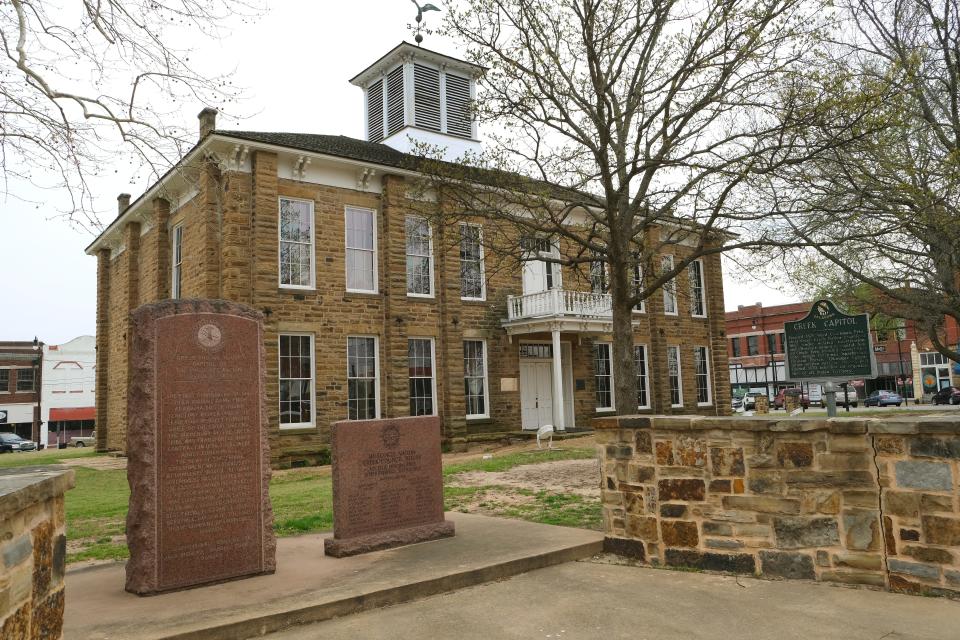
(883,399)
(947,395)
(10,442)
(750,400)
(84,441)
(736,402)
(795,392)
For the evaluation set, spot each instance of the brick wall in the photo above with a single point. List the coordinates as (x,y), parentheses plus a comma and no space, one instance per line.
(868,502)
(33,549)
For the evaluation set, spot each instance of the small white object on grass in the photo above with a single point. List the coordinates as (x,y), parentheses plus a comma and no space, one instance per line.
(543,432)
(488,456)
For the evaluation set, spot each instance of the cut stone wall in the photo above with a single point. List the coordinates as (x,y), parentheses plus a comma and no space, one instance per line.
(33,549)
(856,501)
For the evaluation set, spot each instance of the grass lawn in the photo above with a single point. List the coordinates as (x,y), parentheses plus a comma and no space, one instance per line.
(302,499)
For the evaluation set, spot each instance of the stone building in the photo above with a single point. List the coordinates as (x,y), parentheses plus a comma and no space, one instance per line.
(371,312)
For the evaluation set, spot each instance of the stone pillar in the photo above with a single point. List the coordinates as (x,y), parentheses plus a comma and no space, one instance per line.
(236,239)
(103,345)
(558,421)
(210,228)
(161,240)
(917,373)
(719,359)
(131,241)
(762,405)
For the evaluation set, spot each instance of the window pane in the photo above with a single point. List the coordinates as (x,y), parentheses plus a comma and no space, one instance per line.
(296,380)
(296,243)
(603,375)
(673,370)
(361,378)
(697,302)
(702,368)
(640,362)
(420,367)
(474,377)
(471,262)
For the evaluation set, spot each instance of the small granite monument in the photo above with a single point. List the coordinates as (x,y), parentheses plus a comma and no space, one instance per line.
(387,485)
(199,459)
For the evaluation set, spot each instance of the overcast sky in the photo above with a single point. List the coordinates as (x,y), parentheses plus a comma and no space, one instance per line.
(295,63)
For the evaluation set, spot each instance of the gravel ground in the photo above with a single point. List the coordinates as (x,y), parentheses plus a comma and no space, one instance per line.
(579,477)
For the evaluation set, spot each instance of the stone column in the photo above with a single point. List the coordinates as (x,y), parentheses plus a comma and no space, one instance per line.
(917,373)
(161,219)
(103,345)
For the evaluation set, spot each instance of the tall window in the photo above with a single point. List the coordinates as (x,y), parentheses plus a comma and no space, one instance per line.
(598,277)
(753,345)
(296,243)
(783,342)
(698,301)
(643,389)
(471,263)
(361,250)
(177,262)
(638,285)
(25,379)
(701,361)
(420,367)
(296,380)
(603,375)
(4,380)
(475,377)
(419,257)
(735,347)
(771,343)
(362,378)
(674,374)
(669,288)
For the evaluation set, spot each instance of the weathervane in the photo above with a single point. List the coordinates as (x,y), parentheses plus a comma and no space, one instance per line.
(420,25)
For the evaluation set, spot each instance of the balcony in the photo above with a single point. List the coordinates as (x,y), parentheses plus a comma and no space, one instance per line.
(557,309)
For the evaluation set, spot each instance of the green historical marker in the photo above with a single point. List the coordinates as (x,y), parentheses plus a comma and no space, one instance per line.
(829,346)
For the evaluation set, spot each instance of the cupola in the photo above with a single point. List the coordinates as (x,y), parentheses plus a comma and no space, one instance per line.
(413,95)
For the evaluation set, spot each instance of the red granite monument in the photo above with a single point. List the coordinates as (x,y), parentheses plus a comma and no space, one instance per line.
(387,485)
(199,459)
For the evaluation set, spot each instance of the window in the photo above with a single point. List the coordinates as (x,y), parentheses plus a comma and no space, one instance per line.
(419,257)
(643,389)
(735,347)
(296,380)
(603,375)
(395,114)
(362,378)
(932,358)
(638,285)
(361,250)
(25,379)
(4,380)
(296,243)
(459,117)
(669,288)
(673,372)
(753,345)
(771,343)
(701,362)
(375,111)
(471,263)
(598,277)
(420,366)
(698,301)
(426,97)
(176,283)
(783,342)
(475,377)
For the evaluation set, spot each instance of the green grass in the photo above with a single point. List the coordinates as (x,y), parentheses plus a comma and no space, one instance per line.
(872,412)
(47,456)
(511,460)
(302,501)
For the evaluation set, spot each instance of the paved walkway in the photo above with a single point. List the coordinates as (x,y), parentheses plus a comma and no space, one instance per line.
(581,600)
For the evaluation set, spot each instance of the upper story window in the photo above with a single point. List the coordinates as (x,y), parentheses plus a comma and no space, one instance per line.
(638,286)
(472,285)
(698,299)
(25,380)
(4,380)
(598,277)
(296,243)
(772,343)
(735,347)
(419,257)
(176,272)
(361,252)
(753,345)
(669,287)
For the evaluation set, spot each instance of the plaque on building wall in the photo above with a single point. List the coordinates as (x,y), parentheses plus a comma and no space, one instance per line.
(199,461)
(387,484)
(829,345)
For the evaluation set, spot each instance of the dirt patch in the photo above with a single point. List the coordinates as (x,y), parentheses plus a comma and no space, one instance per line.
(100,463)
(577,477)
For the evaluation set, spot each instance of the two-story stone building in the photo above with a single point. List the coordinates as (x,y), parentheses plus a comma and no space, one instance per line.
(372,312)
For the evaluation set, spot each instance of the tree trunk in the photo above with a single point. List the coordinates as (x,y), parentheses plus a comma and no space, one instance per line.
(624,368)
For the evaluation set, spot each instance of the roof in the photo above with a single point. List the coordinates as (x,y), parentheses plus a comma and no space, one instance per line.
(405,49)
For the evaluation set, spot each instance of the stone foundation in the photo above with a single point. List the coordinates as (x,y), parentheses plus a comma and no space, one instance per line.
(866,502)
(33,550)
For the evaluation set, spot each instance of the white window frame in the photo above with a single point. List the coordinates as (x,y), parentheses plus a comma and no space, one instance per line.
(313,382)
(33,380)
(432,292)
(702,282)
(646,368)
(483,270)
(433,372)
(313,243)
(613,388)
(376,371)
(669,287)
(486,381)
(696,375)
(676,349)
(347,248)
(638,284)
(176,262)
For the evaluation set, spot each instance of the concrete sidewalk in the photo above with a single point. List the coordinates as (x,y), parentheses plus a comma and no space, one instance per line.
(310,587)
(586,600)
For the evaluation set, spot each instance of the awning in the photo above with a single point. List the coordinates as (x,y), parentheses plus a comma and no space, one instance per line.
(73,413)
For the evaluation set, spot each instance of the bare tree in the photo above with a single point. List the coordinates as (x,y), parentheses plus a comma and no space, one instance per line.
(638,129)
(889,204)
(82,82)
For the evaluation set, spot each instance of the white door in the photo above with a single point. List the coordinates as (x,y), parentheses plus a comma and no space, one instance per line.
(534,276)
(536,394)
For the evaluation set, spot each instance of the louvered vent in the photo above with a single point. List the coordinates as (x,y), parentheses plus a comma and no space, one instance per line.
(459,121)
(395,101)
(426,97)
(375,112)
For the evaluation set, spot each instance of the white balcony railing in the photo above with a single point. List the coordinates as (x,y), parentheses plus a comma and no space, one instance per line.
(559,303)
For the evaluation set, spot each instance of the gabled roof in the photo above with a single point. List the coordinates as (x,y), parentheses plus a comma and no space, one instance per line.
(416,52)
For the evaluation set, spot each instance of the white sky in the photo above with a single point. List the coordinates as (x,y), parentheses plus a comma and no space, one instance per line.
(295,63)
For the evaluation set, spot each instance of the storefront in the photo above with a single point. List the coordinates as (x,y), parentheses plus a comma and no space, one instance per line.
(934,372)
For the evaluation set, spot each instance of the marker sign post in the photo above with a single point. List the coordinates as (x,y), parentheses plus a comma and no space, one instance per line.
(829,346)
